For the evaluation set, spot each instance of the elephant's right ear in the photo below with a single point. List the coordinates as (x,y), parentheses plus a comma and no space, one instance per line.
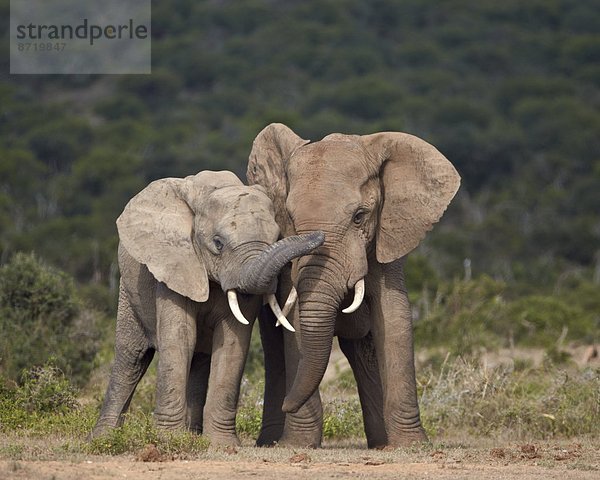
(267,166)
(156,229)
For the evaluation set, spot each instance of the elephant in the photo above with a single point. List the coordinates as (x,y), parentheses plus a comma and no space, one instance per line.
(187,247)
(374,197)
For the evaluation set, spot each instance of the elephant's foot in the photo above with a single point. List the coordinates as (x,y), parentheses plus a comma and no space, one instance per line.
(103,427)
(305,427)
(408,438)
(222,439)
(300,441)
(269,436)
(303,435)
(221,431)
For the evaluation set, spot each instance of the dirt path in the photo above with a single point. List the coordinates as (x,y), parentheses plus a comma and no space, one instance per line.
(562,461)
(127,468)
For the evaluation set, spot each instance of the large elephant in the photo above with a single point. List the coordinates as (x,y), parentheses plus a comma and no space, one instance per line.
(374,196)
(187,246)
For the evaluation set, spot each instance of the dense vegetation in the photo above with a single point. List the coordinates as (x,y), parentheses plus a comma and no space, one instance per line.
(508,91)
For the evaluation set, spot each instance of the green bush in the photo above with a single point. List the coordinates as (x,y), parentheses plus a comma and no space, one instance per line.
(539,403)
(138,431)
(41,317)
(46,390)
(342,418)
(539,320)
(465,316)
(45,402)
(460,315)
(249,415)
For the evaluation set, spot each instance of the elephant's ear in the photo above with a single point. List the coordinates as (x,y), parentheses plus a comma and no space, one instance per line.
(267,167)
(156,229)
(418,183)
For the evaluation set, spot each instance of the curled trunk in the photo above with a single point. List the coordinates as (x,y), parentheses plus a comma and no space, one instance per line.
(260,274)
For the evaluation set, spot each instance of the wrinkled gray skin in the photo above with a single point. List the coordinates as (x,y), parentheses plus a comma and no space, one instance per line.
(183,244)
(374,197)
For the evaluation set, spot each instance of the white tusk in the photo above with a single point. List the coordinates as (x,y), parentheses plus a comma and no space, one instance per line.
(281,320)
(235,307)
(289,303)
(359,294)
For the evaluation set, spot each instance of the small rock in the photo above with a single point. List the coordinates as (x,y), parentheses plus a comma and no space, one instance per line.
(497,453)
(299,458)
(229,450)
(529,451)
(149,454)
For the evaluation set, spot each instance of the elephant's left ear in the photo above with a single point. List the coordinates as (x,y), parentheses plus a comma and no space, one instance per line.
(156,229)
(418,183)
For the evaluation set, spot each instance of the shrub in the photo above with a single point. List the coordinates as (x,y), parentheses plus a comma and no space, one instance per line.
(45,402)
(41,317)
(464,396)
(468,315)
(249,415)
(45,389)
(461,314)
(342,418)
(138,431)
(540,320)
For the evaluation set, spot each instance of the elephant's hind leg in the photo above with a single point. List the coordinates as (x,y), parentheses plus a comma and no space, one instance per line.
(133,354)
(273,418)
(196,390)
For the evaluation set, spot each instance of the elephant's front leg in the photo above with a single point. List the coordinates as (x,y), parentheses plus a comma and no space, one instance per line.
(176,338)
(393,335)
(196,390)
(231,341)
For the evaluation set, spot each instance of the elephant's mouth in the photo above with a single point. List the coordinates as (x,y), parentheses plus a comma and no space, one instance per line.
(259,275)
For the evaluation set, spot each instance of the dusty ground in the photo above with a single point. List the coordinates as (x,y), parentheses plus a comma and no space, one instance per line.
(555,460)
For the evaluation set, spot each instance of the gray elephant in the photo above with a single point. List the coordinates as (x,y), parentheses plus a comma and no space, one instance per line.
(374,197)
(187,247)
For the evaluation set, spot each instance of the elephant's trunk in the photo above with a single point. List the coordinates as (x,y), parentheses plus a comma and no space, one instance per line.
(319,304)
(259,275)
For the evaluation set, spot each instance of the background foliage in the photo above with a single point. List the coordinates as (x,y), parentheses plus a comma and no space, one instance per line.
(507,90)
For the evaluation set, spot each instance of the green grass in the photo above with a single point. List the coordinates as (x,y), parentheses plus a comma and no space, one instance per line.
(535,403)
(461,396)
(138,431)
(458,398)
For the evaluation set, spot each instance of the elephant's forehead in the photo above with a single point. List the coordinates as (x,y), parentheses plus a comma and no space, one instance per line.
(329,160)
(243,210)
(240,200)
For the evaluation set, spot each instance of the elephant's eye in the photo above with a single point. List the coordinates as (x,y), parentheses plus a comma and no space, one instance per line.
(359,216)
(218,243)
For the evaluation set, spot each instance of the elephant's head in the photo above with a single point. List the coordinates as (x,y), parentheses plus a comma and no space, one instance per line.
(374,197)
(205,227)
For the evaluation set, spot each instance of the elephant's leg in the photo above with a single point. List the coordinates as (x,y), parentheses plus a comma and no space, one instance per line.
(363,360)
(393,335)
(176,337)
(231,341)
(132,357)
(305,427)
(196,390)
(272,341)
